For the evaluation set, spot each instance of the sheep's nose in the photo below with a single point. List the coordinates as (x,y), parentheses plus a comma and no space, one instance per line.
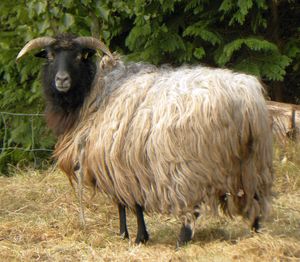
(62,77)
(62,81)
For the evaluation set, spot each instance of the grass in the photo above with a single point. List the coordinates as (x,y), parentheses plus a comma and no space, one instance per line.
(39,221)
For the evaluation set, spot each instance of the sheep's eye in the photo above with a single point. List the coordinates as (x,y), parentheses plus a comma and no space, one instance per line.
(50,56)
(85,55)
(82,56)
(78,57)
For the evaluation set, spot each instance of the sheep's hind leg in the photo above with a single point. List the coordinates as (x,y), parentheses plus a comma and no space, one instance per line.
(256,225)
(122,218)
(185,236)
(142,234)
(188,227)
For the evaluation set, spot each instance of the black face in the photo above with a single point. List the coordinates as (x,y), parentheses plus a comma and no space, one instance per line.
(68,74)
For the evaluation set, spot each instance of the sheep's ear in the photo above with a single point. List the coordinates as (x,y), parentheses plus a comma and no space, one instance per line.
(41,54)
(88,52)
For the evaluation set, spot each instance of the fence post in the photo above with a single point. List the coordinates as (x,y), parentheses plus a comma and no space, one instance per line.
(292,134)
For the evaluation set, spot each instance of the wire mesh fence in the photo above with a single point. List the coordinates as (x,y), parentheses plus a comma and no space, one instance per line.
(5,144)
(23,137)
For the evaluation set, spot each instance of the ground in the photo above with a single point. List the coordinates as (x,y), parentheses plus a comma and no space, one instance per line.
(39,221)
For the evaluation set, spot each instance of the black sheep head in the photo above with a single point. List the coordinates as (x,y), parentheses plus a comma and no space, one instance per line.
(69,70)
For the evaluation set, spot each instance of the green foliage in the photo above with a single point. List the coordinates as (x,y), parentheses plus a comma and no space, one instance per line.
(200,29)
(252,43)
(265,61)
(255,36)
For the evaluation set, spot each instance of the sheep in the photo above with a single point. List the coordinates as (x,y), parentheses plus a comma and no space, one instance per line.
(168,140)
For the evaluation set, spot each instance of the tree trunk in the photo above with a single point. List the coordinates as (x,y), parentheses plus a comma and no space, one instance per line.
(278,91)
(277,86)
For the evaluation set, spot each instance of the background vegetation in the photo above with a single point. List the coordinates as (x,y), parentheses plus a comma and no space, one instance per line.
(260,37)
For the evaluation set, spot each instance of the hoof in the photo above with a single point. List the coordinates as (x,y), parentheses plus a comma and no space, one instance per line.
(142,238)
(256,225)
(185,236)
(124,235)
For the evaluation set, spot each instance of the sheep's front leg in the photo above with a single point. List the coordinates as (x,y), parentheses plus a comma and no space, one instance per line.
(142,234)
(122,218)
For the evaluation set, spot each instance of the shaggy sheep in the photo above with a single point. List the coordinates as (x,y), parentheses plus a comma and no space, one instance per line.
(165,140)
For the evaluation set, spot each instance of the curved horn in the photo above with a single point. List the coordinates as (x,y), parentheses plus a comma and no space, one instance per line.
(39,42)
(93,43)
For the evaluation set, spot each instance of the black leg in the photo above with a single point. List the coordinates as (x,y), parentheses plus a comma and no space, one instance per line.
(142,234)
(185,236)
(256,225)
(188,227)
(122,218)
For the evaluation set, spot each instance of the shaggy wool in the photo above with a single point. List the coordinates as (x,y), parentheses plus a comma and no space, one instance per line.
(172,139)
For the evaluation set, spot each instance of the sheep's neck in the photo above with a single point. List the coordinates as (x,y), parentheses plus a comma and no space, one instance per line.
(60,121)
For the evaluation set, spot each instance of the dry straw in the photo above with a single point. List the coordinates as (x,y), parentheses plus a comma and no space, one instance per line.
(39,222)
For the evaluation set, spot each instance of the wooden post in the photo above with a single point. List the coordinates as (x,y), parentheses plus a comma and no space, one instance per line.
(292,134)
